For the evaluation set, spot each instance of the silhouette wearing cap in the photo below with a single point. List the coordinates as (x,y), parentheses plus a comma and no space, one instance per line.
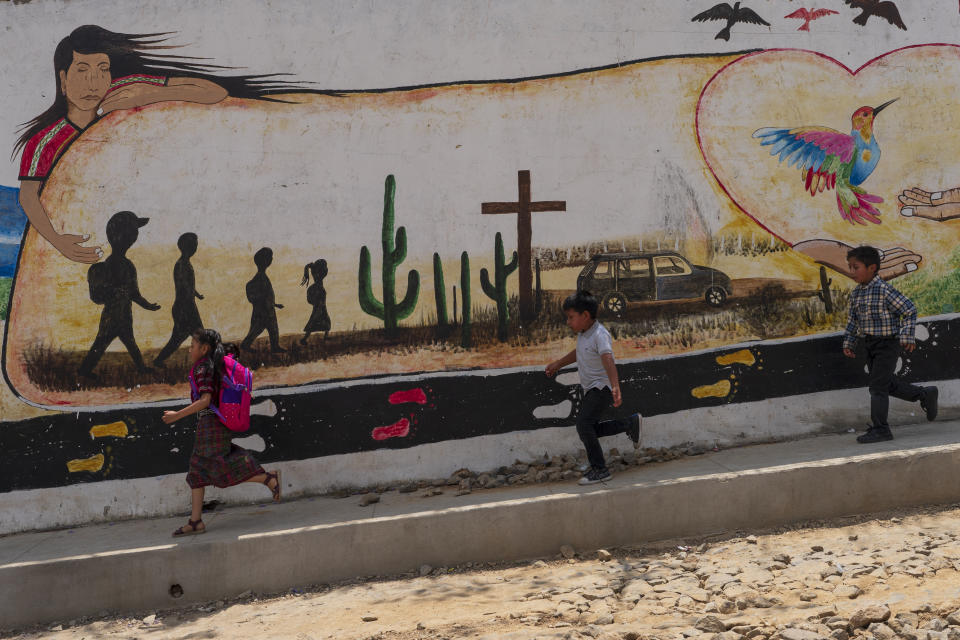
(113,283)
(260,294)
(186,316)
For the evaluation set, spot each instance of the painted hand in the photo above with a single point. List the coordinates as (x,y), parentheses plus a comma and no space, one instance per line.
(894,261)
(278,306)
(153,306)
(134,95)
(69,245)
(938,205)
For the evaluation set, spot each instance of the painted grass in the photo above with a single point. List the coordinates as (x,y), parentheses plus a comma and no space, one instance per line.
(934,293)
(6,284)
(668,329)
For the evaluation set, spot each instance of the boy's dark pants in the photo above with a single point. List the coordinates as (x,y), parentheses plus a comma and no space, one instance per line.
(590,427)
(882,354)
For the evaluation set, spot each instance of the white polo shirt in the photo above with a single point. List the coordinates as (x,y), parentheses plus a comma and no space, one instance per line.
(591,344)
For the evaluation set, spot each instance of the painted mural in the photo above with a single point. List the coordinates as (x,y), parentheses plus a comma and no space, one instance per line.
(391,261)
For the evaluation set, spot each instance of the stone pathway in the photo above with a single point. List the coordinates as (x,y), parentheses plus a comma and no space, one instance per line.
(875,579)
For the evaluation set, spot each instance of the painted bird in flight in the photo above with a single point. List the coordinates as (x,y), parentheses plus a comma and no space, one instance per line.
(828,159)
(880,8)
(809,14)
(732,15)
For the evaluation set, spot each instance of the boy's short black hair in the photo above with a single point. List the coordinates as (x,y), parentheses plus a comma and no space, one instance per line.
(866,254)
(582,301)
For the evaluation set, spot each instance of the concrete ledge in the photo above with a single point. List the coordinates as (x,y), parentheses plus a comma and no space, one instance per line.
(131,566)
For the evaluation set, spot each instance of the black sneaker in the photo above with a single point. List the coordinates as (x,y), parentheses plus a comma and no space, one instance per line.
(596,475)
(929,402)
(875,434)
(636,420)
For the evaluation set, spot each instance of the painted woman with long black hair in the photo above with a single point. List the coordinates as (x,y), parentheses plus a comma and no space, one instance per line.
(98,71)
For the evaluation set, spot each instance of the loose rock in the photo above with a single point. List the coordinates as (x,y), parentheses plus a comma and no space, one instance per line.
(710,624)
(864,617)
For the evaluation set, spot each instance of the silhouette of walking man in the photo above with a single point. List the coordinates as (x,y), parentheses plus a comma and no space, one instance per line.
(260,295)
(186,316)
(113,283)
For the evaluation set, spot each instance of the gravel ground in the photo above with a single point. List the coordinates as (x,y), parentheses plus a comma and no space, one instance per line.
(894,576)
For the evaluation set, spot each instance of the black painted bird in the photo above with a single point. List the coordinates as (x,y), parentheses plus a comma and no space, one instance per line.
(880,8)
(732,15)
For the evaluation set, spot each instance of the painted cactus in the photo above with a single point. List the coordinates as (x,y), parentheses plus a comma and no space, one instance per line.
(465,329)
(394,252)
(439,291)
(497,291)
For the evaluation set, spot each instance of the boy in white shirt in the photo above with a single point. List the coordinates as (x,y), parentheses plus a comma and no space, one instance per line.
(599,380)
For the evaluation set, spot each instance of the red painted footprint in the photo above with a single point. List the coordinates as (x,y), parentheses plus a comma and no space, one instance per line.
(398,429)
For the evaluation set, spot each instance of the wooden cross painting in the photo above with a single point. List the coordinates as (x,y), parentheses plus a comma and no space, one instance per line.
(523,208)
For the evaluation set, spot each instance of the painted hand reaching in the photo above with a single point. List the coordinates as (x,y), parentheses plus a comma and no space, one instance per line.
(937,205)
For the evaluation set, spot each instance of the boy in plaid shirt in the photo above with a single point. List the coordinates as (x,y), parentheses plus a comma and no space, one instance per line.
(886,320)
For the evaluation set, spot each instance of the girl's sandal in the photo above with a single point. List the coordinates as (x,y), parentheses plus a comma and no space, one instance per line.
(275,490)
(194,530)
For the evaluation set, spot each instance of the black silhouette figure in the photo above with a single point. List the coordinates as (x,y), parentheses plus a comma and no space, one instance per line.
(880,8)
(113,283)
(186,317)
(260,295)
(732,15)
(317,298)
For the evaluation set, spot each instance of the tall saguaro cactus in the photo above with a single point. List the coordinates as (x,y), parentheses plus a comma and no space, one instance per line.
(465,328)
(394,252)
(439,291)
(497,291)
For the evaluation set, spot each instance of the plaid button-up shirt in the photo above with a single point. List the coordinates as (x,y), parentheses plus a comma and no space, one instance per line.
(877,309)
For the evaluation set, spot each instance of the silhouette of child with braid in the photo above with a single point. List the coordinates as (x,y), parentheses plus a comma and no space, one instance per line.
(113,283)
(186,316)
(260,294)
(317,298)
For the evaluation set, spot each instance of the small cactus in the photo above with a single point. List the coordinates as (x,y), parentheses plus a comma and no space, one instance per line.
(824,293)
(439,291)
(394,252)
(497,290)
(465,328)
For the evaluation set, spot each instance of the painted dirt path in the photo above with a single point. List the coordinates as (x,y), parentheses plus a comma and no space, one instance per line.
(859,578)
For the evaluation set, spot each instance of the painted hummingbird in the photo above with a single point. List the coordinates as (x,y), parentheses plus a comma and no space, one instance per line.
(829,159)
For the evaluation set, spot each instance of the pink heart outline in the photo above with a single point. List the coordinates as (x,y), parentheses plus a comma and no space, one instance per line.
(824,56)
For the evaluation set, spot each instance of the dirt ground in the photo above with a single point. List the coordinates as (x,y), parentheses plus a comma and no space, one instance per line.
(875,578)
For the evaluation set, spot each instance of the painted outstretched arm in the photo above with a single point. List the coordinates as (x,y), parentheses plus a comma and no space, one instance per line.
(139,94)
(143,302)
(937,205)
(69,244)
(894,261)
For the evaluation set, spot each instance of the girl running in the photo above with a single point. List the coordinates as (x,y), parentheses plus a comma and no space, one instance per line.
(215,460)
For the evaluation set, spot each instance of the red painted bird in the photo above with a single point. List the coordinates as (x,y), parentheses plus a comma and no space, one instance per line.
(809,14)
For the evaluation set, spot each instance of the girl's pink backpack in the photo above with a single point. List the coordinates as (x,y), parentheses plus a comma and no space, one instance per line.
(233,408)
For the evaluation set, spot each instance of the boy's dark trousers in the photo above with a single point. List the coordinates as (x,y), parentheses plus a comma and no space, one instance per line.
(882,354)
(590,427)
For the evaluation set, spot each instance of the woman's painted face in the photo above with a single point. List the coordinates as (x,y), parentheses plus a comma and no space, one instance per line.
(87,80)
